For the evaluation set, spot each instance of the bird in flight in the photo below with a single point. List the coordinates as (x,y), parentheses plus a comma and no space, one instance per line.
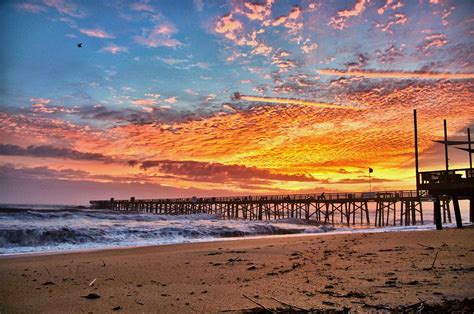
(79,45)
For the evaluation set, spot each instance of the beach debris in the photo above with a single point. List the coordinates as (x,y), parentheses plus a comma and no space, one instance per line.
(117,308)
(432,264)
(259,304)
(48,283)
(92,282)
(91,296)
(291,306)
(413,283)
(48,272)
(213,253)
(233,260)
(426,246)
(374,306)
(252,267)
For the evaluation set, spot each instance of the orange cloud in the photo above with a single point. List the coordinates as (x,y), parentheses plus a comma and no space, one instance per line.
(228,26)
(284,141)
(340,21)
(397,18)
(399,74)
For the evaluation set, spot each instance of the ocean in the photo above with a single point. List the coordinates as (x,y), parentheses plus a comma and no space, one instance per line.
(56,228)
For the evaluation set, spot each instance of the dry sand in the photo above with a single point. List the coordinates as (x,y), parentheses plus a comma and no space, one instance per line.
(364,272)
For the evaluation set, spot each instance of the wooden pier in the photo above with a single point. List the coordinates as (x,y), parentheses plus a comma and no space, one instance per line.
(391,207)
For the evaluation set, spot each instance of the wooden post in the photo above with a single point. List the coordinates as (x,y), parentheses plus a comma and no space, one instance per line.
(470,151)
(416,154)
(471,208)
(457,211)
(437,213)
(446,158)
(421,211)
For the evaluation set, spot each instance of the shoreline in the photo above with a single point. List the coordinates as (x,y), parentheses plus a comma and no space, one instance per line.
(355,270)
(388,229)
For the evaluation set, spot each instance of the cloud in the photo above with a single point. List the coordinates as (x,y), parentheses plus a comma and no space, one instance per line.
(114,49)
(363,180)
(9,171)
(198,171)
(309,48)
(65,7)
(399,74)
(172,61)
(144,102)
(154,95)
(34,186)
(340,21)
(228,26)
(142,7)
(397,18)
(433,41)
(30,7)
(40,101)
(159,36)
(171,100)
(390,4)
(289,101)
(256,11)
(42,106)
(390,54)
(97,32)
(47,151)
(262,49)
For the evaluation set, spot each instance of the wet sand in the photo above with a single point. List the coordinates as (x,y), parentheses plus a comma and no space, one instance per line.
(364,272)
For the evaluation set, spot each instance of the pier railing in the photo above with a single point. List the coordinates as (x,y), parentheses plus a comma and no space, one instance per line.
(369,196)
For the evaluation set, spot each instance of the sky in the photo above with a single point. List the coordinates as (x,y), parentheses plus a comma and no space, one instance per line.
(179,98)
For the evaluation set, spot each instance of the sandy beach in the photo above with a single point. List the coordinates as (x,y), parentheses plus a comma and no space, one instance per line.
(364,272)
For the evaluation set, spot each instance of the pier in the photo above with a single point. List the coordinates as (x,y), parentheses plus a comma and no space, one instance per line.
(392,207)
(441,187)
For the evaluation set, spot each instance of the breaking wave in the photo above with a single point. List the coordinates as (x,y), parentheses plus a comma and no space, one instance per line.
(32,230)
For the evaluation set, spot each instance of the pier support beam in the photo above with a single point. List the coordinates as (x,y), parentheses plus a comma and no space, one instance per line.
(437,213)
(471,209)
(457,211)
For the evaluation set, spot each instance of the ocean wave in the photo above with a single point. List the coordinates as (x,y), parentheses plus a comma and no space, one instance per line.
(40,230)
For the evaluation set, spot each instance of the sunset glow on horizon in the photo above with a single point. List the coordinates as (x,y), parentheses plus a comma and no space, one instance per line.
(175,99)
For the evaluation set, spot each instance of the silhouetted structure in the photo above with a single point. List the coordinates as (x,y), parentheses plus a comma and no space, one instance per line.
(448,184)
